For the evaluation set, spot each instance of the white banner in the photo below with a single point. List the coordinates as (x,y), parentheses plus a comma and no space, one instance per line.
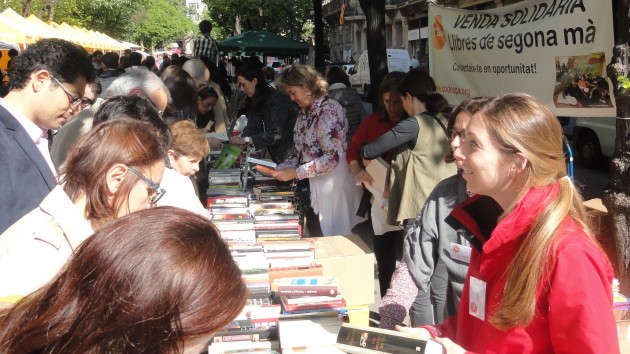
(555,50)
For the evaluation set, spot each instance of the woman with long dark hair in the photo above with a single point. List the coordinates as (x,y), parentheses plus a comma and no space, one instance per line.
(270,114)
(155,281)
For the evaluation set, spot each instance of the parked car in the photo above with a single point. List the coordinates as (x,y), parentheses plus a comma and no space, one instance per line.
(348,68)
(397,60)
(277,66)
(594,139)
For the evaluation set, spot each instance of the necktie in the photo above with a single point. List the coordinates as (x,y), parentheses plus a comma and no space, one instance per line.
(50,139)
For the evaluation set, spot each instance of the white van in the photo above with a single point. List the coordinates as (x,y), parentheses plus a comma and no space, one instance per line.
(593,139)
(397,60)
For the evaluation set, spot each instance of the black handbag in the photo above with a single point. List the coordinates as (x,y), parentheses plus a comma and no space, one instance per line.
(302,191)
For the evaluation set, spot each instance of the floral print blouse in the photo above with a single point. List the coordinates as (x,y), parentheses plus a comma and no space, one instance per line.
(319,138)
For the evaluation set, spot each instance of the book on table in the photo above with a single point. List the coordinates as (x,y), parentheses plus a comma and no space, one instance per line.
(359,339)
(303,304)
(261,162)
(304,286)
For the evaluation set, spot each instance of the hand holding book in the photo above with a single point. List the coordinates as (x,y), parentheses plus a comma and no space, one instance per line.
(285,174)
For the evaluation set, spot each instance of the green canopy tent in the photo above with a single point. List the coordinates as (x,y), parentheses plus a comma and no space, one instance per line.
(266,43)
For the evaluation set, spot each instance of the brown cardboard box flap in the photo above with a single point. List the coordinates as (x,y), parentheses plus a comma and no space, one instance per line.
(595,205)
(350,260)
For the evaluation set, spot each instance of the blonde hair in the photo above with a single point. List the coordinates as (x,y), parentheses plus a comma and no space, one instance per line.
(305,76)
(520,123)
(188,140)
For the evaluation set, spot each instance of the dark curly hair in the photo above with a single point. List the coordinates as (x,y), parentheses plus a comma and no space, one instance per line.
(64,60)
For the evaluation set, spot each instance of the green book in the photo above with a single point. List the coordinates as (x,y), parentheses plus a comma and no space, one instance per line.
(227,157)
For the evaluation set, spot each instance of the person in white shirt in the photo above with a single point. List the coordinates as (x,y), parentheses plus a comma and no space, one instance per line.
(188,148)
(112,171)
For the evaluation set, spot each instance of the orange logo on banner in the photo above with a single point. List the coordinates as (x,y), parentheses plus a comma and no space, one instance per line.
(439,40)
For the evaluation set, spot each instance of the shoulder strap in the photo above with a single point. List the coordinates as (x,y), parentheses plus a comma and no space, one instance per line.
(439,121)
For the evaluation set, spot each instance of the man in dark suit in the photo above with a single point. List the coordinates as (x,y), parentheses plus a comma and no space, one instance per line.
(47,84)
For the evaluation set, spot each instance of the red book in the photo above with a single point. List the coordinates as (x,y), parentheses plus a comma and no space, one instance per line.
(265,170)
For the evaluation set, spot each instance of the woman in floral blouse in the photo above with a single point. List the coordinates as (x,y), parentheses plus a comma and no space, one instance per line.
(319,152)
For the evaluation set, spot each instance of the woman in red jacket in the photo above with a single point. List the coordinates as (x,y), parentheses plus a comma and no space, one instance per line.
(538,282)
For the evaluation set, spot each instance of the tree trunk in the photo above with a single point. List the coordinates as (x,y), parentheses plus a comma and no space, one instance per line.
(377,52)
(50,9)
(26,7)
(319,35)
(617,194)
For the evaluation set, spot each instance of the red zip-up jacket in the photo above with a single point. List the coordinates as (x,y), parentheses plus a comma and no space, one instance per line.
(574,304)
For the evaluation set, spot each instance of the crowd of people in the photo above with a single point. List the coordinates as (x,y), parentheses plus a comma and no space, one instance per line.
(102,231)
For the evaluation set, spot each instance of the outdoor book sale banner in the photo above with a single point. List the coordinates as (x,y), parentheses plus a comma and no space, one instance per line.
(555,50)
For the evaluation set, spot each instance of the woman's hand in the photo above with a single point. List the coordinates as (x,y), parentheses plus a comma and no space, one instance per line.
(359,173)
(449,346)
(285,174)
(237,140)
(364,177)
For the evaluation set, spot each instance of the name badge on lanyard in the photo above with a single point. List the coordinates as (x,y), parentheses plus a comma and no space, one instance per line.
(460,252)
(477,298)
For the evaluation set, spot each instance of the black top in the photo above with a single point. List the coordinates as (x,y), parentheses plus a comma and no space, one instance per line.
(272,127)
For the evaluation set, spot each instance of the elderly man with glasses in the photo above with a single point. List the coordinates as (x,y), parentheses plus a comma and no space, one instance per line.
(48,82)
(135,82)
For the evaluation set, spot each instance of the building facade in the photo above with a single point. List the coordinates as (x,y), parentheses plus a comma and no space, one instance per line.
(406,25)
(195,10)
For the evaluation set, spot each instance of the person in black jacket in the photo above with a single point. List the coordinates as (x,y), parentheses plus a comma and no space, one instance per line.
(341,90)
(270,114)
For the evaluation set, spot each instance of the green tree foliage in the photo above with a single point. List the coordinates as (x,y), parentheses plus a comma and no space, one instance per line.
(112,17)
(289,18)
(161,21)
(149,21)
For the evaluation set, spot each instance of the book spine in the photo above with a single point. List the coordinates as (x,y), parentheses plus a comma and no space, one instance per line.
(304,290)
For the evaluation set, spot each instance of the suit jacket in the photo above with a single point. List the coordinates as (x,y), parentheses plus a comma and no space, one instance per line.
(25,177)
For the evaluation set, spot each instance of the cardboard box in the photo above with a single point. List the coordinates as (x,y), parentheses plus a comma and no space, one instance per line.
(350,260)
(601,225)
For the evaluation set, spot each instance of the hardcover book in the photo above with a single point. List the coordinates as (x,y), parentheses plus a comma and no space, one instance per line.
(264,170)
(305,286)
(358,339)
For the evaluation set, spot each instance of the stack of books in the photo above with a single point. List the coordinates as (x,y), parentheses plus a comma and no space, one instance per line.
(227,177)
(252,331)
(289,254)
(309,294)
(280,192)
(253,264)
(276,220)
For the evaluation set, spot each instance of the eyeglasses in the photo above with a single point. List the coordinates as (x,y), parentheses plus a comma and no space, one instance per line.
(74,100)
(455,134)
(156,193)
